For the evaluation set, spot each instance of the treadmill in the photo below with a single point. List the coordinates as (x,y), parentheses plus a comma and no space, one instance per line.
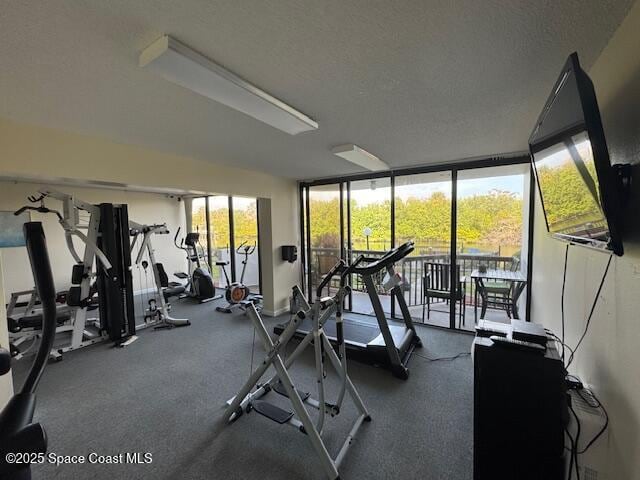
(377,341)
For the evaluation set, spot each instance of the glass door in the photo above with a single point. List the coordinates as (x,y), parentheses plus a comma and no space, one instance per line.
(370,235)
(199,225)
(219,237)
(245,239)
(492,205)
(422,208)
(324,234)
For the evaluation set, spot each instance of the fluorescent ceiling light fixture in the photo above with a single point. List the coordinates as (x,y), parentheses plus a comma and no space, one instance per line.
(181,65)
(359,156)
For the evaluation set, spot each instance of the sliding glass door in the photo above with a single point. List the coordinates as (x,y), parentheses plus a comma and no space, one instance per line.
(492,234)
(324,233)
(370,228)
(422,210)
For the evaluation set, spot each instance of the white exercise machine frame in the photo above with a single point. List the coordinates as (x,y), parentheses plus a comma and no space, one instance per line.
(321,310)
(163,319)
(72,227)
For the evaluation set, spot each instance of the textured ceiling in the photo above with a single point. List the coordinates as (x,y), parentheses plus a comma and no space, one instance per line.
(414,82)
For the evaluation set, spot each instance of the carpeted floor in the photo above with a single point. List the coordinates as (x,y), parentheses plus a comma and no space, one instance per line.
(165,394)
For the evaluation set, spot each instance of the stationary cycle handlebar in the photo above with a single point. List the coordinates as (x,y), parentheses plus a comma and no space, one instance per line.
(244,249)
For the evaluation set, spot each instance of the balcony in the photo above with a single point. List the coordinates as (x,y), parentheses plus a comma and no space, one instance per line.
(412,272)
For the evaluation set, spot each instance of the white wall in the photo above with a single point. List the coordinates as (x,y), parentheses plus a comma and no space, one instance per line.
(46,153)
(609,358)
(143,208)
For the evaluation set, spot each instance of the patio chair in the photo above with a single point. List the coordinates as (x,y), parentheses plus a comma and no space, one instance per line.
(498,295)
(437,285)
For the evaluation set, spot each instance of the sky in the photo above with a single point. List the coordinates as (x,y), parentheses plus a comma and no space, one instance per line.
(466,188)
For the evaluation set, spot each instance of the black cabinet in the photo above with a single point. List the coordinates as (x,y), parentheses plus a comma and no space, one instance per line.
(520,411)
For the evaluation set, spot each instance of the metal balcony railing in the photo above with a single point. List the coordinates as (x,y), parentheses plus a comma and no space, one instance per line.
(411,269)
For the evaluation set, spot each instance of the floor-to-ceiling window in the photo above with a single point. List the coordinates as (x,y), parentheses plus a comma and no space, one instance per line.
(199,225)
(482,210)
(324,234)
(492,208)
(245,241)
(199,217)
(219,241)
(370,228)
(423,214)
(226,225)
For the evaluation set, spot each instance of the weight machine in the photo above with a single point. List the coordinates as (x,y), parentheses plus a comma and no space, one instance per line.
(105,236)
(156,313)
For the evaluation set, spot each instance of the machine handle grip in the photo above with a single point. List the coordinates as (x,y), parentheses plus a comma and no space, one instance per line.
(350,268)
(37,209)
(45,287)
(327,278)
(175,237)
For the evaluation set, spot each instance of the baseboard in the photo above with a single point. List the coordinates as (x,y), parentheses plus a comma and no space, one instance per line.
(277,313)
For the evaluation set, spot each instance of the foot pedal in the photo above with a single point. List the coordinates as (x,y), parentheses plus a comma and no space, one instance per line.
(272,412)
(279,388)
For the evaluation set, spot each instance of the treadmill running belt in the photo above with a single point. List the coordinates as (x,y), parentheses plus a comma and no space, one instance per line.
(353,332)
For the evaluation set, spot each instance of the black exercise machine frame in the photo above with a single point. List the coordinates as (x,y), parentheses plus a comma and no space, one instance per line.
(18,434)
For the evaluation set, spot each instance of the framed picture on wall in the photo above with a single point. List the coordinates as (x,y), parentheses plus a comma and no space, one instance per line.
(11,229)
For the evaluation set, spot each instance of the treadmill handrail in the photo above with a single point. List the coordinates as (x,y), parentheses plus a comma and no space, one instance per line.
(327,278)
(389,258)
(350,268)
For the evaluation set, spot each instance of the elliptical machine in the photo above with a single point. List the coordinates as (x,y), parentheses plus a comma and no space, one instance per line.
(237,293)
(199,282)
(18,432)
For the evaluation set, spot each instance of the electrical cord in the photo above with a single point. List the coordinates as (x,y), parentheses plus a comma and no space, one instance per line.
(598,404)
(564,283)
(571,450)
(592,401)
(574,448)
(559,340)
(438,359)
(593,307)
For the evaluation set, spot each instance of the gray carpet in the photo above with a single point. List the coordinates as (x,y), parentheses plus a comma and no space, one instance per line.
(164,394)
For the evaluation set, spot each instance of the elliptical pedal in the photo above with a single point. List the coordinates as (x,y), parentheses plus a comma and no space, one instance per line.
(271,411)
(279,389)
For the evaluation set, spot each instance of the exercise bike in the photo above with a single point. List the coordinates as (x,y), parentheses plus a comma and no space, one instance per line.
(238,294)
(199,282)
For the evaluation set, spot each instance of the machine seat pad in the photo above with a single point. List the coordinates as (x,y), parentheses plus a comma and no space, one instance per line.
(34,321)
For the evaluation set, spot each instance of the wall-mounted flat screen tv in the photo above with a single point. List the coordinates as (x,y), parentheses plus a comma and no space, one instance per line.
(577,184)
